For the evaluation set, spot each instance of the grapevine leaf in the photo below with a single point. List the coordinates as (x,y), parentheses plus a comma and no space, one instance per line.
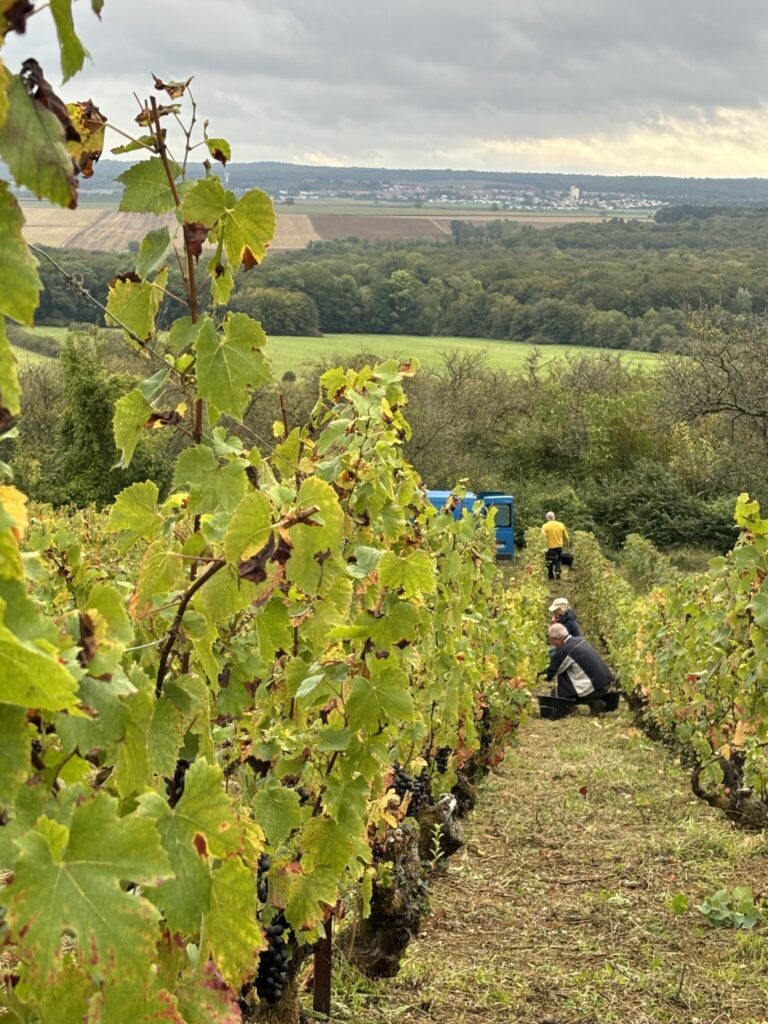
(4,80)
(413,575)
(73,53)
(133,305)
(249,528)
(19,281)
(135,515)
(146,187)
(206,999)
(112,628)
(32,677)
(201,826)
(249,228)
(332,846)
(346,799)
(89,123)
(230,364)
(211,484)
(233,932)
(160,572)
(383,699)
(219,149)
(303,567)
(152,252)
(10,392)
(32,145)
(276,809)
(308,896)
(131,414)
(69,879)
(14,751)
(129,1003)
(143,142)
(133,765)
(274,629)
(207,202)
(106,724)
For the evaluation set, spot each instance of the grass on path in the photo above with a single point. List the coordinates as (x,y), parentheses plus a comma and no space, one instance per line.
(558,910)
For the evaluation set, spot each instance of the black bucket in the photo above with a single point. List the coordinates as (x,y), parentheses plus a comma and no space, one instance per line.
(554,707)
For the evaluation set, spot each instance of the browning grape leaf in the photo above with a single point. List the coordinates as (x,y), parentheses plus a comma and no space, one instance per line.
(70,879)
(32,144)
(174,89)
(89,123)
(14,17)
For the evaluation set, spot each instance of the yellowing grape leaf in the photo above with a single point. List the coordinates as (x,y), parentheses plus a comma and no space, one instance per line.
(234,934)
(69,879)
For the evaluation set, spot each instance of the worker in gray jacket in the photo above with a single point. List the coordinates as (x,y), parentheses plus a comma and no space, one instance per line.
(575,666)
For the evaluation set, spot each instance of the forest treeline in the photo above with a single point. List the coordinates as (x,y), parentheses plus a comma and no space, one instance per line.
(613,449)
(619,284)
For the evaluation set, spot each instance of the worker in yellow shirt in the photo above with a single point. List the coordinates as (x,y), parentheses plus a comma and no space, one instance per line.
(556,537)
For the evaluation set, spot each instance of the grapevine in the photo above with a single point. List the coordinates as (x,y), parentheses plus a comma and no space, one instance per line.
(204,691)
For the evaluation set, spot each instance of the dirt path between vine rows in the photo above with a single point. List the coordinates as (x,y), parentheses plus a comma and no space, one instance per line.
(559,910)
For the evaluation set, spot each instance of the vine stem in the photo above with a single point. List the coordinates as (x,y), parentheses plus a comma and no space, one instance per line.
(78,286)
(173,632)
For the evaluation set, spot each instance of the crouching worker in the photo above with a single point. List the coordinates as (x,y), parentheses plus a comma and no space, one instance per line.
(576,667)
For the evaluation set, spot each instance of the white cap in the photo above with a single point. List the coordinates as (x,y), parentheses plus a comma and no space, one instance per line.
(558,603)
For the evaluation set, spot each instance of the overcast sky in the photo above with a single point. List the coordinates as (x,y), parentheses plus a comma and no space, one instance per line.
(606,86)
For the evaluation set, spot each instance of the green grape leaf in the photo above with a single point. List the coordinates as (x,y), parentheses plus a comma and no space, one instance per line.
(274,629)
(201,826)
(204,999)
(146,187)
(133,305)
(249,528)
(10,392)
(413,575)
(30,677)
(135,515)
(32,145)
(19,281)
(4,80)
(73,53)
(308,895)
(219,149)
(332,846)
(230,364)
(15,743)
(383,699)
(161,571)
(211,484)
(142,142)
(152,253)
(248,229)
(325,535)
(233,931)
(133,765)
(111,628)
(69,879)
(276,809)
(207,202)
(131,414)
(106,724)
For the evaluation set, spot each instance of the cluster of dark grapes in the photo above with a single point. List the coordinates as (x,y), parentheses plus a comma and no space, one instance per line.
(175,786)
(273,963)
(441,759)
(262,890)
(420,789)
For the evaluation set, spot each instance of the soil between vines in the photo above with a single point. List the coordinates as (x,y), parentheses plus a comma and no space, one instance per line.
(557,911)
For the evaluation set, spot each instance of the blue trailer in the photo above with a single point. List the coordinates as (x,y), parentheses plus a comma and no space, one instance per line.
(505,514)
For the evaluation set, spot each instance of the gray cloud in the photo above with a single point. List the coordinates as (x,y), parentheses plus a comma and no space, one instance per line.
(427,82)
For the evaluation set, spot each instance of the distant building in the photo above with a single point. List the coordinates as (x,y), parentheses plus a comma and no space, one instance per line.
(574,193)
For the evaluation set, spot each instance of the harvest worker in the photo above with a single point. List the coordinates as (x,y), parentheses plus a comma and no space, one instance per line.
(556,536)
(563,613)
(576,667)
